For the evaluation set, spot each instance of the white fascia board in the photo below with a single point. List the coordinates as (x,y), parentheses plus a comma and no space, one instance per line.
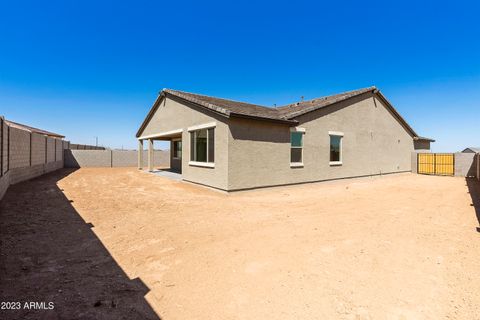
(161,134)
(202,126)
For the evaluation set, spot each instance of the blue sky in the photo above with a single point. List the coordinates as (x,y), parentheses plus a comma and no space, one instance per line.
(89,69)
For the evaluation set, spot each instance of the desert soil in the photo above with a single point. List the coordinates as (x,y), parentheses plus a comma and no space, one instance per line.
(124,244)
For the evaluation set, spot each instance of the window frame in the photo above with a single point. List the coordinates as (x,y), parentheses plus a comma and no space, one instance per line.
(302,131)
(193,145)
(335,134)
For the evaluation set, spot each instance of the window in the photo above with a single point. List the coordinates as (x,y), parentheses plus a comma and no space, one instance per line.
(177,149)
(296,147)
(202,145)
(336,148)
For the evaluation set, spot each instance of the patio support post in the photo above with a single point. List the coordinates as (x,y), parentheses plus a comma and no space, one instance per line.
(140,154)
(150,154)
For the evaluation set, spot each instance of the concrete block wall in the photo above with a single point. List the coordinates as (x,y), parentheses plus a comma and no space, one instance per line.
(50,149)
(26,155)
(478,165)
(76,146)
(4,184)
(58,149)
(19,148)
(112,158)
(87,158)
(38,149)
(4,147)
(122,158)
(465,165)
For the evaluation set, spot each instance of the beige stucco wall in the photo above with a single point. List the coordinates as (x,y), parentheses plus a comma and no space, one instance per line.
(374,142)
(173,115)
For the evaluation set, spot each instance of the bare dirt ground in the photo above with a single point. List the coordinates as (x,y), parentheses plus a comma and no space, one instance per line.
(119,243)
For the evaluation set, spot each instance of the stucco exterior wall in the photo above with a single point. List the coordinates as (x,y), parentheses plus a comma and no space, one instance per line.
(374,143)
(174,114)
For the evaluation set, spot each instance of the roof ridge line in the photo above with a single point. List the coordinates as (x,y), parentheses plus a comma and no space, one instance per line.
(331,95)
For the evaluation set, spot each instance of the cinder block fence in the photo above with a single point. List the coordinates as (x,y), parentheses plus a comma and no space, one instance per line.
(26,155)
(112,158)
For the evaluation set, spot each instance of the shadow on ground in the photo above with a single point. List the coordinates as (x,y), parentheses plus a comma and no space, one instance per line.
(49,254)
(474,191)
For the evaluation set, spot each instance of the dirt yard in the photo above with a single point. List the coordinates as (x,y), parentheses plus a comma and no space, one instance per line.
(119,243)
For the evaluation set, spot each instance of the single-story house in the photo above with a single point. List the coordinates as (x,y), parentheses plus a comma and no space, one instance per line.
(471,150)
(233,145)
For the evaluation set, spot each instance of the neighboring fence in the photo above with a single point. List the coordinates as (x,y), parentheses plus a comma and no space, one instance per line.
(76,146)
(112,158)
(25,155)
(458,164)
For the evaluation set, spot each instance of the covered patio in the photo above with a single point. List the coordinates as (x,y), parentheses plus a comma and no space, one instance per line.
(175,139)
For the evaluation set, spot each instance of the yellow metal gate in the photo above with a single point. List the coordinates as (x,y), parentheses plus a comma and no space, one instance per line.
(441,164)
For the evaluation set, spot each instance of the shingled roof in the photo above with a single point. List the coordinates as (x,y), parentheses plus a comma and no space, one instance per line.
(288,112)
(285,114)
(293,110)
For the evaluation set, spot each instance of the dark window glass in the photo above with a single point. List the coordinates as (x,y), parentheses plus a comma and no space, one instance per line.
(296,142)
(211,145)
(335,148)
(192,146)
(201,145)
(296,155)
(177,149)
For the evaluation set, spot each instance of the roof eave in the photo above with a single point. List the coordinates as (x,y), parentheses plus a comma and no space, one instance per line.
(212,108)
(206,106)
(423,139)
